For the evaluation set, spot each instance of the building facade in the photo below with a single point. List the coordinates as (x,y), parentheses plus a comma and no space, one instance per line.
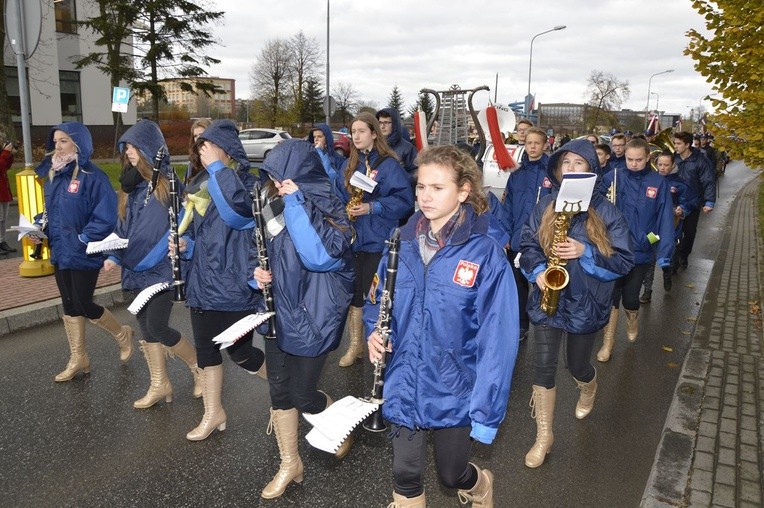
(197,104)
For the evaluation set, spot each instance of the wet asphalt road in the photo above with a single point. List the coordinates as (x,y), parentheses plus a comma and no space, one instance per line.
(81,443)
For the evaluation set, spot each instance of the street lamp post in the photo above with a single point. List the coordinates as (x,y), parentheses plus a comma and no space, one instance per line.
(530,66)
(657,98)
(649,85)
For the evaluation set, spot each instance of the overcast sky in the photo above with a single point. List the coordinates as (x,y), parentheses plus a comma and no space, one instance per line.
(425,43)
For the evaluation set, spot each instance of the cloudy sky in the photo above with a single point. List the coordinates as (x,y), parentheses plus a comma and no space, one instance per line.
(425,43)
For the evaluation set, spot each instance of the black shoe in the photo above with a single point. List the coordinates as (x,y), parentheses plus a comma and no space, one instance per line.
(6,248)
(523,334)
(646,297)
(683,263)
(667,281)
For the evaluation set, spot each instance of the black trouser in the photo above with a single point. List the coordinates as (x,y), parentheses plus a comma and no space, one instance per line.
(649,277)
(452,455)
(365,265)
(76,288)
(689,229)
(206,324)
(522,291)
(627,288)
(578,350)
(293,380)
(154,319)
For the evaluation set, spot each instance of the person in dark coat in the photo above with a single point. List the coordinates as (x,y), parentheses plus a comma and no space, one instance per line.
(144,220)
(322,138)
(311,272)
(393,129)
(219,220)
(597,249)
(80,207)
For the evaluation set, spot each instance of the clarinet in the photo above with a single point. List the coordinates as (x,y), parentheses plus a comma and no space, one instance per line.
(374,422)
(262,256)
(155,174)
(37,253)
(177,277)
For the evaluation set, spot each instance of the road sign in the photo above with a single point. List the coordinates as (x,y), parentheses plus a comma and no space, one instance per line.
(120,98)
(330,106)
(23,36)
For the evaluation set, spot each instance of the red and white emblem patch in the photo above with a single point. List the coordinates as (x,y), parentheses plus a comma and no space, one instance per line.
(674,190)
(74,186)
(547,183)
(651,192)
(466,273)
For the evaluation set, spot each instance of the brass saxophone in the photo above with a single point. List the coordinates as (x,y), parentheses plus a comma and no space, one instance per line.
(555,276)
(356,194)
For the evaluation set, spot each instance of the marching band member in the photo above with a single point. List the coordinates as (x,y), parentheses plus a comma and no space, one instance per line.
(598,251)
(374,214)
(80,207)
(392,128)
(451,361)
(144,221)
(644,198)
(322,138)
(311,270)
(217,243)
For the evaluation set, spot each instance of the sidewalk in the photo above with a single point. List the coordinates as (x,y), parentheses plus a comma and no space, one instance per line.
(710,452)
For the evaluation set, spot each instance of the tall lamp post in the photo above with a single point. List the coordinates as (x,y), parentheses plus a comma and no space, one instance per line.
(657,98)
(530,66)
(649,85)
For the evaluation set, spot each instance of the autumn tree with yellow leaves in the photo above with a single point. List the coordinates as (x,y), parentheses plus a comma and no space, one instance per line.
(731,58)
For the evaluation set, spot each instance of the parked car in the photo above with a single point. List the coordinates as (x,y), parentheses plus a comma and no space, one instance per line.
(258,142)
(341,143)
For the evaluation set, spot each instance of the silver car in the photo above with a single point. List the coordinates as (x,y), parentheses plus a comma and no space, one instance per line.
(258,142)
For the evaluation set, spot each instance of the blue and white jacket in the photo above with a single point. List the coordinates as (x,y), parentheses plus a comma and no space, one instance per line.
(525,187)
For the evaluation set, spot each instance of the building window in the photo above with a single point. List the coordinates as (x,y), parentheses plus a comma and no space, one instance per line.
(71,101)
(14,97)
(66,16)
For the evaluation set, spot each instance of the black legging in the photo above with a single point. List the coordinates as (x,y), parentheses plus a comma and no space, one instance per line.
(627,288)
(523,288)
(206,324)
(294,379)
(76,288)
(154,319)
(452,455)
(547,351)
(689,229)
(365,265)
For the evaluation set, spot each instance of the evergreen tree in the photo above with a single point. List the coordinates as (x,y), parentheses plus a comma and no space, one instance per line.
(425,103)
(396,100)
(312,102)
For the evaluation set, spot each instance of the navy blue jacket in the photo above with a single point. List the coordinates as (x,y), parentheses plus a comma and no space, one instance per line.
(617,162)
(331,161)
(585,303)
(311,260)
(455,330)
(81,207)
(683,196)
(697,171)
(644,198)
(392,199)
(405,149)
(220,240)
(525,187)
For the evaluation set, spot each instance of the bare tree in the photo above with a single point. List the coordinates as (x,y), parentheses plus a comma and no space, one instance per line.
(605,93)
(346,98)
(270,76)
(305,59)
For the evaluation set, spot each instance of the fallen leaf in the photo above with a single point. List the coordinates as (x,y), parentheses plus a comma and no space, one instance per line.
(689,286)
(668,349)
(692,319)
(672,365)
(686,332)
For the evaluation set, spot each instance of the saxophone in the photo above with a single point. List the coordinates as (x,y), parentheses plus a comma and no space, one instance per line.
(356,194)
(555,276)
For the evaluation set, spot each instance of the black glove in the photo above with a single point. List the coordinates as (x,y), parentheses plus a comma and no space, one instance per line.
(667,278)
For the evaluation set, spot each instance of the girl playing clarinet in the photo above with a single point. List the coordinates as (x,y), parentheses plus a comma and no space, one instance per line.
(454,334)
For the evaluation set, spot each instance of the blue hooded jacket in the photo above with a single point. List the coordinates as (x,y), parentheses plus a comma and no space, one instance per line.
(525,187)
(311,260)
(405,150)
(585,303)
(80,207)
(455,330)
(331,161)
(699,174)
(220,239)
(144,262)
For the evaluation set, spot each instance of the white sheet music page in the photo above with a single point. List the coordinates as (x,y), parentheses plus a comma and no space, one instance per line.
(362,181)
(575,192)
(27,228)
(334,424)
(111,242)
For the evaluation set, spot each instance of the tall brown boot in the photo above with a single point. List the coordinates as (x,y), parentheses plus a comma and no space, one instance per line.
(78,357)
(400,501)
(481,495)
(187,353)
(122,334)
(542,409)
(632,324)
(355,324)
(608,336)
(160,387)
(586,399)
(214,415)
(347,444)
(284,422)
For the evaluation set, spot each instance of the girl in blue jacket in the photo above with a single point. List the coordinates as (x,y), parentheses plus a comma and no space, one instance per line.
(308,243)
(597,249)
(217,243)
(454,333)
(144,221)
(374,217)
(80,207)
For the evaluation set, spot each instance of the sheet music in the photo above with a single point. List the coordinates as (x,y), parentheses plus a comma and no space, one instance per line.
(575,192)
(111,242)
(146,295)
(333,425)
(237,330)
(27,228)
(362,181)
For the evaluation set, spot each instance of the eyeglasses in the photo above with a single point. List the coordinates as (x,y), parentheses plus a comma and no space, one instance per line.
(385,123)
